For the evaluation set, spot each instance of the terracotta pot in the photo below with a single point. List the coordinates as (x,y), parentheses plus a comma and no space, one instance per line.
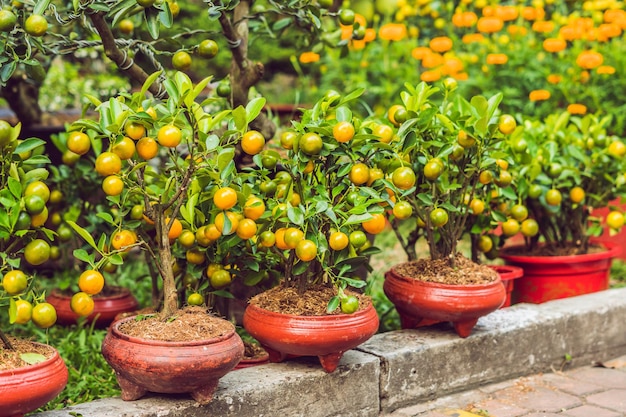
(552,277)
(106,307)
(508,275)
(26,389)
(419,302)
(327,337)
(143,365)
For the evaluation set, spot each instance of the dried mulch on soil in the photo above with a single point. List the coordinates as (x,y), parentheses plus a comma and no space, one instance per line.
(313,302)
(187,325)
(465,271)
(10,359)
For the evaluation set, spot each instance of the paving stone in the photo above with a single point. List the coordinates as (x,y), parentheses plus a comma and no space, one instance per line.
(538,399)
(590,410)
(564,382)
(604,377)
(495,407)
(614,399)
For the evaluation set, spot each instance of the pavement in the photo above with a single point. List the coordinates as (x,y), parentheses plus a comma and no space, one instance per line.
(588,391)
(561,358)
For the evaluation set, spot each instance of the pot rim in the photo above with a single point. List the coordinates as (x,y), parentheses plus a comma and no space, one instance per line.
(29,368)
(114,330)
(403,277)
(613,250)
(512,271)
(325,317)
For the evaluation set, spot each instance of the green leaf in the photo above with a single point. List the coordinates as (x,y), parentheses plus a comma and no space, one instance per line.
(240,118)
(149,81)
(32,358)
(15,187)
(29,145)
(355,283)
(82,255)
(152,21)
(254,107)
(83,233)
(333,304)
(295,215)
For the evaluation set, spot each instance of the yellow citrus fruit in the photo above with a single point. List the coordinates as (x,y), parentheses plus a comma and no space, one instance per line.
(253,208)
(82,304)
(134,130)
(375,225)
(181,61)
(108,163)
(510,227)
(343,131)
(44,315)
(147,148)
(338,240)
(208,48)
(78,142)
(221,223)
(359,173)
(23,312)
(112,185)
(37,252)
(14,282)
(615,219)
(169,136)
(252,142)
(91,282)
(36,25)
(225,198)
(306,250)
(577,195)
(124,148)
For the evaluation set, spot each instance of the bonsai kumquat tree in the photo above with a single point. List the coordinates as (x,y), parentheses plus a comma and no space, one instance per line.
(178,196)
(451,168)
(24,239)
(578,167)
(325,195)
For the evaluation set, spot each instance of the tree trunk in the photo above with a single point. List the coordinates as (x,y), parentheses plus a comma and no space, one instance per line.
(22,96)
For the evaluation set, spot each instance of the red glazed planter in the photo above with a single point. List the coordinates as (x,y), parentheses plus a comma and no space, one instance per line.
(419,302)
(508,275)
(143,365)
(105,307)
(26,389)
(552,277)
(327,337)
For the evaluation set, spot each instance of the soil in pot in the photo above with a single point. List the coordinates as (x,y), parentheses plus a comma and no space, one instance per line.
(428,291)
(11,359)
(289,324)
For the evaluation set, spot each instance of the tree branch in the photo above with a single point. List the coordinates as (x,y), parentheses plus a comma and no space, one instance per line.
(121,58)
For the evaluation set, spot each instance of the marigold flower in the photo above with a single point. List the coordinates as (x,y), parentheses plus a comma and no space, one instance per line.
(472,38)
(430,76)
(605,69)
(370,35)
(539,95)
(516,30)
(392,32)
(309,57)
(420,52)
(506,13)
(489,24)
(533,13)
(497,59)
(543,26)
(440,44)
(614,15)
(452,66)
(570,33)
(577,108)
(589,59)
(609,30)
(554,45)
(464,19)
(432,60)
(554,78)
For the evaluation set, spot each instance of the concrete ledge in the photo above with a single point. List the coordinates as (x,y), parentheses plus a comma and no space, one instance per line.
(403,368)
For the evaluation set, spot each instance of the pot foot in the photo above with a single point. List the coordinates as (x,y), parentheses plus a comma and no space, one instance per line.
(130,390)
(331,361)
(204,395)
(275,356)
(464,328)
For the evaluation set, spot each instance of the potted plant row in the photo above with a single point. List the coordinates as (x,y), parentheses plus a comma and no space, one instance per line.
(570,168)
(31,373)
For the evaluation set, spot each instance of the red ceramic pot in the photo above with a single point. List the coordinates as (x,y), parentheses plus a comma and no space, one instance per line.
(419,302)
(508,275)
(143,365)
(26,389)
(552,277)
(106,307)
(327,337)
